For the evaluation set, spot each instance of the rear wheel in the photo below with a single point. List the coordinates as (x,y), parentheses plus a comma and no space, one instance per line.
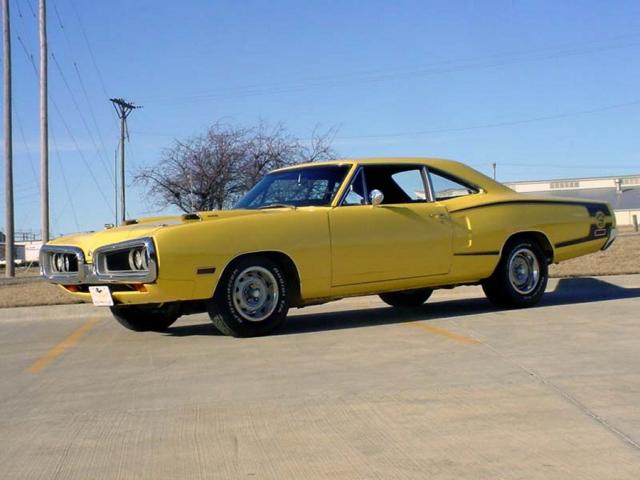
(252,298)
(520,278)
(407,298)
(143,318)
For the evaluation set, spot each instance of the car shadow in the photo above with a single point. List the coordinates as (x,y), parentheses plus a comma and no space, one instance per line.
(569,291)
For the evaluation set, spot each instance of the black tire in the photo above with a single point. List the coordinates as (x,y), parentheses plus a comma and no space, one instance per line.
(229,310)
(503,291)
(144,319)
(407,298)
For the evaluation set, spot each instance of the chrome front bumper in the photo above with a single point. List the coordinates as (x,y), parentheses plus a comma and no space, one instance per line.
(97,273)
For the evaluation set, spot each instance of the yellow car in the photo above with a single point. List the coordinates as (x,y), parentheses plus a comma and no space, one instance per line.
(308,234)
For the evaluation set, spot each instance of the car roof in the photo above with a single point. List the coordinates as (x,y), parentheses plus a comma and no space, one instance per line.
(377,161)
(457,169)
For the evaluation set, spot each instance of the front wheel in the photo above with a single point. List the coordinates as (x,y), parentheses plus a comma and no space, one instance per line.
(520,278)
(407,299)
(143,318)
(252,298)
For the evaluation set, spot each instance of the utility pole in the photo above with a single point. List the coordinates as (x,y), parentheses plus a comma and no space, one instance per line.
(494,169)
(115,184)
(123,109)
(44,125)
(8,145)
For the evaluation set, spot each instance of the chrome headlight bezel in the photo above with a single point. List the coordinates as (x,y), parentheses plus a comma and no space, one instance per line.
(98,273)
(50,261)
(127,248)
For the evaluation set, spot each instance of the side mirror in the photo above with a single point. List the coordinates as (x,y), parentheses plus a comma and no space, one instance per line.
(376,197)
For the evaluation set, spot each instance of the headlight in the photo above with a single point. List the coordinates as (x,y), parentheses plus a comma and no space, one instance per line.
(63,262)
(139,259)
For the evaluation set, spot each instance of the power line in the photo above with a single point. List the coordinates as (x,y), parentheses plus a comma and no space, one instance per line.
(82,118)
(64,180)
(521,121)
(79,151)
(28,54)
(19,9)
(566,166)
(88,44)
(450,66)
(82,86)
(541,118)
(26,148)
(33,10)
(67,128)
(91,112)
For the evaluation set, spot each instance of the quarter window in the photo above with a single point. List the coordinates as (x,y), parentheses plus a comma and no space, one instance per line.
(410,181)
(445,187)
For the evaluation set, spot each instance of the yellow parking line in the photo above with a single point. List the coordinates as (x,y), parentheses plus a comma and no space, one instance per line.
(61,347)
(444,333)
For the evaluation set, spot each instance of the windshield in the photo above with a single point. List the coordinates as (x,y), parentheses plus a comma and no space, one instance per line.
(309,186)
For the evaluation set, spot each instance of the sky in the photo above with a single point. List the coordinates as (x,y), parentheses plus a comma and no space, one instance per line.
(545,89)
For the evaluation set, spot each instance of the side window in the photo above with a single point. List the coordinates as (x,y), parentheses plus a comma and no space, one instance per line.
(445,188)
(410,182)
(355,195)
(398,183)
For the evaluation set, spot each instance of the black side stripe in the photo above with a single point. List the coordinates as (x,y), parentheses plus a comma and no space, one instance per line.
(592,208)
(574,242)
(595,234)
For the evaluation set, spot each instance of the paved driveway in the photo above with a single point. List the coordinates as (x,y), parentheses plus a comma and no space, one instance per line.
(352,389)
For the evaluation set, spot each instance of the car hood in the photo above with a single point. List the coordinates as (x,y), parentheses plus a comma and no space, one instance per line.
(145,227)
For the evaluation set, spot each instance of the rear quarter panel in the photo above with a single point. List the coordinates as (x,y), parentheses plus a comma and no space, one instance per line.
(484,222)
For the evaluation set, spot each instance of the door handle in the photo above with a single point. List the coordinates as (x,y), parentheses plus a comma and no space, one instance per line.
(438,216)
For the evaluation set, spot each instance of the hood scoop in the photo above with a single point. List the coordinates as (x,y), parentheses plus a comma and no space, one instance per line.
(191,216)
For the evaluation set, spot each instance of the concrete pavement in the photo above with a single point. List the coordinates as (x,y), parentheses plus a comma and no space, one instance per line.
(353,389)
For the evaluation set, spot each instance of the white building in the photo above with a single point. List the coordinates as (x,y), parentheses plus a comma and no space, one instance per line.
(621,192)
(26,252)
(26,247)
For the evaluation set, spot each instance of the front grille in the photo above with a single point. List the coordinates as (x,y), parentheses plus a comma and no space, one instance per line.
(117,261)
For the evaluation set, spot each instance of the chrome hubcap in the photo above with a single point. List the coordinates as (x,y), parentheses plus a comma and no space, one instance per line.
(524,271)
(255,294)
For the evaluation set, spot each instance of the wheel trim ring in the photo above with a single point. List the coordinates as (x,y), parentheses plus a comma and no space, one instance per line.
(255,294)
(524,271)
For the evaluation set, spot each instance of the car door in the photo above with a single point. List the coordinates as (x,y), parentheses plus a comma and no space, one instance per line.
(406,236)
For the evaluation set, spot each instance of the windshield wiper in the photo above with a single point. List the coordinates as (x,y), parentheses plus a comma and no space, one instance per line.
(277,205)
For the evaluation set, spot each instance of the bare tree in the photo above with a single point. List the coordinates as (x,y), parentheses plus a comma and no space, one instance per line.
(212,170)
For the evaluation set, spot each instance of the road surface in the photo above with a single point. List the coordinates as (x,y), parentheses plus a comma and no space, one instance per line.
(353,389)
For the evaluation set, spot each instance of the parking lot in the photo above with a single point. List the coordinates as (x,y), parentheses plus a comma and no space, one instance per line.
(351,389)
